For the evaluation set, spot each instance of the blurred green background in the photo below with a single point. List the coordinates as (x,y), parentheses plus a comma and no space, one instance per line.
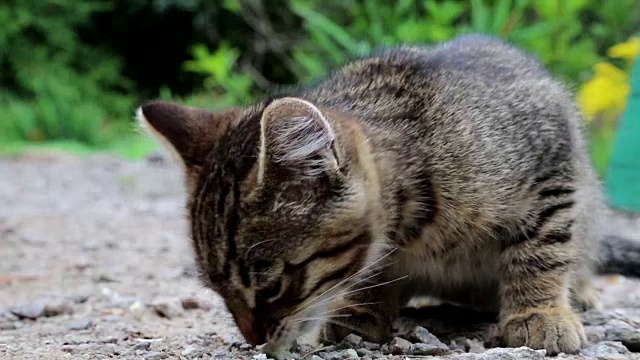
(73,71)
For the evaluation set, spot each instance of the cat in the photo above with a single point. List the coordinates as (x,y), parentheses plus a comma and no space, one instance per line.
(458,171)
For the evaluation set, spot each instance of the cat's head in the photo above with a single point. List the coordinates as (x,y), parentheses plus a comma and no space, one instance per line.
(283,200)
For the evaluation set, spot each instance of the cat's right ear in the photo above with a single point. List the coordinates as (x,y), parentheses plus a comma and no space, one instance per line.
(186,132)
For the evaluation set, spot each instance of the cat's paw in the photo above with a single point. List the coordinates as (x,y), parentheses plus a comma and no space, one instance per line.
(555,330)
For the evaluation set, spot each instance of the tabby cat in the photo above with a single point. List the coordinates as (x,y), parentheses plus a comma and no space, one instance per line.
(457,171)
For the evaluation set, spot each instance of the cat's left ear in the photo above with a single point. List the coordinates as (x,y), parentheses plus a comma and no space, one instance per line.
(188,132)
(297,135)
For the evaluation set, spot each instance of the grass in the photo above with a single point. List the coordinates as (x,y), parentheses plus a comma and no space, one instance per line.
(129,147)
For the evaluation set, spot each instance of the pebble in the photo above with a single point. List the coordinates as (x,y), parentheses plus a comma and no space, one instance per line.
(352,341)
(521,353)
(191,303)
(155,355)
(423,349)
(31,310)
(426,343)
(370,346)
(596,317)
(83,324)
(92,349)
(606,350)
(193,351)
(399,346)
(57,307)
(474,346)
(78,299)
(7,326)
(117,300)
(35,309)
(628,336)
(168,308)
(595,333)
(145,345)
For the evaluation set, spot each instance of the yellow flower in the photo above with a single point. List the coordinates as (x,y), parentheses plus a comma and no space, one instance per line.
(628,50)
(605,93)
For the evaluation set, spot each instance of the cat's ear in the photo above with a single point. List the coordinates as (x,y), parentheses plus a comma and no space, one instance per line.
(190,133)
(296,134)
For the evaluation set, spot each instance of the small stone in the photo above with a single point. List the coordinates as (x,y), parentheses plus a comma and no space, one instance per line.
(313,357)
(351,354)
(78,299)
(370,346)
(94,349)
(83,324)
(399,346)
(58,308)
(352,341)
(465,356)
(340,355)
(109,340)
(168,308)
(105,278)
(32,310)
(384,348)
(155,355)
(474,346)
(193,351)
(606,350)
(137,308)
(191,303)
(596,317)
(145,345)
(595,333)
(521,353)
(245,347)
(117,300)
(429,349)
(364,352)
(7,326)
(264,357)
(422,335)
(629,337)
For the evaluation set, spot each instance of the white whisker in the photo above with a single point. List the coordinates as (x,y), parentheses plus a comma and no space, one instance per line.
(360,289)
(307,305)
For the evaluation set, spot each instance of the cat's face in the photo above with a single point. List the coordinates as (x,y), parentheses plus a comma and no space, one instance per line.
(280,206)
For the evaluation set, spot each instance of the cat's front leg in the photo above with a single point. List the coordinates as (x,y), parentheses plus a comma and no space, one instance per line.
(535,308)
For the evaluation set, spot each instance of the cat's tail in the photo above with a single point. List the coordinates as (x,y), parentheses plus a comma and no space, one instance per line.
(618,255)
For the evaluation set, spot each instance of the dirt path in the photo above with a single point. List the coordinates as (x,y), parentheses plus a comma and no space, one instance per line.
(95,263)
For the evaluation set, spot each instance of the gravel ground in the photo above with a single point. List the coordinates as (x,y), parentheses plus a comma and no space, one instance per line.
(95,263)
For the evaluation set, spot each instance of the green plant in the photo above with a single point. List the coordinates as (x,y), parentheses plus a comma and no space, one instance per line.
(567,36)
(223,83)
(52,85)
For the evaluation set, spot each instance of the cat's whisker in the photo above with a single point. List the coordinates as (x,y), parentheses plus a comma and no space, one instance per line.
(322,301)
(322,317)
(361,289)
(246,254)
(310,302)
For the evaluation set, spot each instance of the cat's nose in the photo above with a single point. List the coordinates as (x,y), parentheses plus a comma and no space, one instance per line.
(252,331)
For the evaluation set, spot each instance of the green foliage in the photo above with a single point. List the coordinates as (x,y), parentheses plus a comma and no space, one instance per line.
(57,82)
(568,36)
(52,85)
(223,83)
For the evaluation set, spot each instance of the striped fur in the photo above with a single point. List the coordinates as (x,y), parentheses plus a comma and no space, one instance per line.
(457,171)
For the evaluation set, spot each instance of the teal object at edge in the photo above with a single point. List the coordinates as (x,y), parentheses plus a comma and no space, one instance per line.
(623,174)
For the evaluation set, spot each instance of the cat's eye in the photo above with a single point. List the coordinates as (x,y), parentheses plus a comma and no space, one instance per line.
(271,291)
